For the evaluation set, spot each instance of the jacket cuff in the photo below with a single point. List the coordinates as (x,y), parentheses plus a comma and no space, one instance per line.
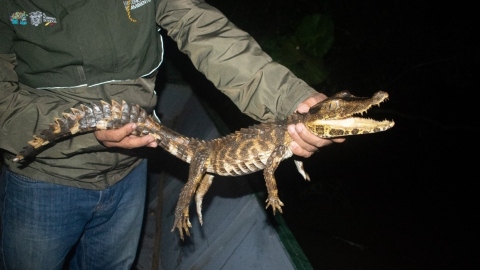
(297,95)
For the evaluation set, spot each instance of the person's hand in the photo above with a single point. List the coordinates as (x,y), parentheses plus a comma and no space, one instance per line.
(123,138)
(304,142)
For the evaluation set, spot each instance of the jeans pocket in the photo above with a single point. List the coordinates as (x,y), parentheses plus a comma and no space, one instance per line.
(19,182)
(22,178)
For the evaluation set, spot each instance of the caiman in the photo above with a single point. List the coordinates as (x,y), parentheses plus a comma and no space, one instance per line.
(259,147)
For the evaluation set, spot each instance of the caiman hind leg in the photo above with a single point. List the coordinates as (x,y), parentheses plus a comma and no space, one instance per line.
(272,163)
(201,191)
(196,172)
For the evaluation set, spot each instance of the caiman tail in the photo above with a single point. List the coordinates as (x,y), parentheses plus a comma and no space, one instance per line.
(103,115)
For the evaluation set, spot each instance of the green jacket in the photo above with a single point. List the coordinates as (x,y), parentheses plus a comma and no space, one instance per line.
(56,54)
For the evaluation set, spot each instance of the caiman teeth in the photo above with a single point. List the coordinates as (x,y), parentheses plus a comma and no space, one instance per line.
(354,122)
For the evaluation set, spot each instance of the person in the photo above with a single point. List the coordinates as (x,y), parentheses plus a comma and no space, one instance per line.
(86,194)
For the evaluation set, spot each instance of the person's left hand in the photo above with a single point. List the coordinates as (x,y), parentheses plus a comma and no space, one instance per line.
(304,142)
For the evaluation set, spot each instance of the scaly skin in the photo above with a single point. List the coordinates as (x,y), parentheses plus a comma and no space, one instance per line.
(259,147)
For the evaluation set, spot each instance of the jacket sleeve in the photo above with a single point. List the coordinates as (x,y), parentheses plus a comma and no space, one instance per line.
(13,99)
(23,110)
(232,60)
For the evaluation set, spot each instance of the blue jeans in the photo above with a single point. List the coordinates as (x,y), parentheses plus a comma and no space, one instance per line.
(43,222)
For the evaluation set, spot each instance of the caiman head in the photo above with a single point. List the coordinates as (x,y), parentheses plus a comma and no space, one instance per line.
(334,117)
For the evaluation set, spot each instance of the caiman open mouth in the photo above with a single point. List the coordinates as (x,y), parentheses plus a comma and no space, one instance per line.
(356,122)
(334,117)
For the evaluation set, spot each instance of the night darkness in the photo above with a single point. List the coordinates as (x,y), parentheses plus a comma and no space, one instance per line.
(401,199)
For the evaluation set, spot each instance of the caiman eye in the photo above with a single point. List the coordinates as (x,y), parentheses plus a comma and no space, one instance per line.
(333,105)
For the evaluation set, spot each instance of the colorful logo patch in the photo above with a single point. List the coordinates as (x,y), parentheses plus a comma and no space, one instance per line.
(19,18)
(36,18)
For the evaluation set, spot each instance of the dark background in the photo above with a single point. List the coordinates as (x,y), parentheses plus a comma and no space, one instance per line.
(401,199)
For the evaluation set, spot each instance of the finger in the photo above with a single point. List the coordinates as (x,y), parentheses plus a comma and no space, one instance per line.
(153,144)
(132,141)
(309,102)
(310,138)
(115,135)
(301,142)
(299,151)
(338,140)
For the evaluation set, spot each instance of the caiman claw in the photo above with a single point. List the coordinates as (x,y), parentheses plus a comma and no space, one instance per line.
(182,224)
(275,203)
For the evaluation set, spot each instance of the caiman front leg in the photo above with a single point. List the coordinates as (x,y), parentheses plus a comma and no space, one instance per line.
(201,191)
(197,170)
(301,170)
(272,163)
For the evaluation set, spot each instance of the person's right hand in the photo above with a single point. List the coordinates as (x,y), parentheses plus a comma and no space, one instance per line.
(123,138)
